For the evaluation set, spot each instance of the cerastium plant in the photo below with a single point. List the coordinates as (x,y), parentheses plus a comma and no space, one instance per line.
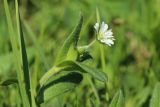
(69,68)
(66,73)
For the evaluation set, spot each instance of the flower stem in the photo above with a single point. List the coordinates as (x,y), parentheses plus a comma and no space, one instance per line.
(103,63)
(102,57)
(86,46)
(89,45)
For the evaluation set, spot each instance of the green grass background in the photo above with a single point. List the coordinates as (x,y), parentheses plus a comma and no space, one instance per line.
(132,64)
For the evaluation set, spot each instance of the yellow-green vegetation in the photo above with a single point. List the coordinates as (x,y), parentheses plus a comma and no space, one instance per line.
(79,53)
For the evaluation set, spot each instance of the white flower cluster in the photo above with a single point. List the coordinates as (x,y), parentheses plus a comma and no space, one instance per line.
(103,34)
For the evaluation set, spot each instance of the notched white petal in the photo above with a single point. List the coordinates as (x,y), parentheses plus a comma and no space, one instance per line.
(108,33)
(104,27)
(96,26)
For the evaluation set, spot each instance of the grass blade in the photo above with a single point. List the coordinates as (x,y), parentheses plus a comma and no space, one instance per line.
(16,54)
(23,55)
(118,100)
(155,100)
(37,45)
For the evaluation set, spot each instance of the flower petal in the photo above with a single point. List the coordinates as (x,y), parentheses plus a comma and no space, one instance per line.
(109,42)
(96,26)
(104,27)
(108,33)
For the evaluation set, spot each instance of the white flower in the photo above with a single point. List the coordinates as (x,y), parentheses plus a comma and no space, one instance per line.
(103,34)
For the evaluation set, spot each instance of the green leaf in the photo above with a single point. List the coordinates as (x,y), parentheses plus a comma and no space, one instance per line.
(70,66)
(49,74)
(70,42)
(58,84)
(73,65)
(155,100)
(118,100)
(142,96)
(24,55)
(9,82)
(72,53)
(60,71)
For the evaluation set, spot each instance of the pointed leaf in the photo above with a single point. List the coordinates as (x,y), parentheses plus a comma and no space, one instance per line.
(72,40)
(70,66)
(57,85)
(155,100)
(142,96)
(86,69)
(23,54)
(118,100)
(14,44)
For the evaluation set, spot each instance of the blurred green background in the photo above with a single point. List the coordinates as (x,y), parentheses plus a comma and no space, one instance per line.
(132,64)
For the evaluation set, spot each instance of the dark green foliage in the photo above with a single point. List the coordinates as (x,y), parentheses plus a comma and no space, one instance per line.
(60,73)
(58,86)
(84,56)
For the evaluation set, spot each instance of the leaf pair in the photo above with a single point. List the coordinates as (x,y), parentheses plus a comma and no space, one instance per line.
(53,79)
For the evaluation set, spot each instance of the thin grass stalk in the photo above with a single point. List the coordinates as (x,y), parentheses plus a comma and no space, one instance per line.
(27,79)
(15,55)
(37,45)
(23,53)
